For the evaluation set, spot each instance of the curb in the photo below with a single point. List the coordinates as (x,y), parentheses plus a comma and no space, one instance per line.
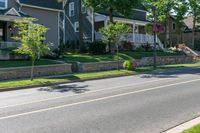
(65,82)
(184,126)
(83,80)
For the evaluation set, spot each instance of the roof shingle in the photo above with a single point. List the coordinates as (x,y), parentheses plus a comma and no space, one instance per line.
(52,4)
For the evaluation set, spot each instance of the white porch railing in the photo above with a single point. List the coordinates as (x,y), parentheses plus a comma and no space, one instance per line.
(9,45)
(137,39)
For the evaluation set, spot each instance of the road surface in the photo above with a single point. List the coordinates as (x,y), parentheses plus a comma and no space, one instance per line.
(147,103)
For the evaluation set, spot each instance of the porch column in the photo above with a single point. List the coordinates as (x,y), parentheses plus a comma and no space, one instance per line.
(133,32)
(106,22)
(93,25)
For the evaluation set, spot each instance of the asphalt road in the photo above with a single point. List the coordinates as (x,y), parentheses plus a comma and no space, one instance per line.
(147,103)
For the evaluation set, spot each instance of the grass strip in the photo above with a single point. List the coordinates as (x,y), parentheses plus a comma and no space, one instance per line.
(75,77)
(195,129)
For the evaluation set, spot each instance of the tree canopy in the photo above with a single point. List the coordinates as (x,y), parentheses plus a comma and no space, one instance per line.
(123,7)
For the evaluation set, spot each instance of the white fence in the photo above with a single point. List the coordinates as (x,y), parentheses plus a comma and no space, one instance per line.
(137,39)
(9,45)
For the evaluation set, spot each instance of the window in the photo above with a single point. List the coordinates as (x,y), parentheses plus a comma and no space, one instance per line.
(174,26)
(3,4)
(76,26)
(83,7)
(71,9)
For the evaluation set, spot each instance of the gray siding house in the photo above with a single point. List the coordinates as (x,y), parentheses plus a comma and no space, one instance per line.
(62,20)
(93,21)
(47,12)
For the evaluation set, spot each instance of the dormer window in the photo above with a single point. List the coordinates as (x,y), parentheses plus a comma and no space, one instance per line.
(3,4)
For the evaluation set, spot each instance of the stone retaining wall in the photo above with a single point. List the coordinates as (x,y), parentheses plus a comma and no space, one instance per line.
(24,72)
(60,69)
(149,61)
(146,61)
(100,66)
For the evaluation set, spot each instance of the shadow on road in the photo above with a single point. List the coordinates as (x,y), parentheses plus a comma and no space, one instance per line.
(173,73)
(65,88)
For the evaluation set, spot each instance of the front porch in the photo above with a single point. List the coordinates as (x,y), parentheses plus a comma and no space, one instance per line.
(137,37)
(7,32)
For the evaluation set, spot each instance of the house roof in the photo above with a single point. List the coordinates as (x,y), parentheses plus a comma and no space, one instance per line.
(51,4)
(19,13)
(118,15)
(189,22)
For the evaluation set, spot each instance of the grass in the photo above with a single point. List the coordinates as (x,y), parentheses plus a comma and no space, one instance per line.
(46,81)
(43,81)
(23,63)
(84,58)
(195,129)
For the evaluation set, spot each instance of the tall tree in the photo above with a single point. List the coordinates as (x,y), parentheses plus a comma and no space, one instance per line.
(180,9)
(194,10)
(164,9)
(120,6)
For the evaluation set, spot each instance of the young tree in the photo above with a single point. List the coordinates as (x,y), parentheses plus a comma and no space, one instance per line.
(194,10)
(113,34)
(123,7)
(32,37)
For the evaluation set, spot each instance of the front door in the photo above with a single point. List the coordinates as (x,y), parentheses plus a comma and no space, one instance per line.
(2,31)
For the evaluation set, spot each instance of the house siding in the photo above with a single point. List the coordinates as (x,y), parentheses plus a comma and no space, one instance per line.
(13,3)
(49,19)
(71,35)
(140,15)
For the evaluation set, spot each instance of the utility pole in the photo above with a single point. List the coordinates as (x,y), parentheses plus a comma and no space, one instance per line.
(155,24)
(81,43)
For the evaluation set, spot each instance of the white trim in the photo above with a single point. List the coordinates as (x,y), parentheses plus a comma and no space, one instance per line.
(10,18)
(12,9)
(130,21)
(76,24)
(71,8)
(140,10)
(6,5)
(58,28)
(43,8)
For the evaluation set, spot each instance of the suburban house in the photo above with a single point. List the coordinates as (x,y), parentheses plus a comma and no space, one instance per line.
(93,21)
(47,12)
(62,21)
(174,36)
(185,33)
(188,31)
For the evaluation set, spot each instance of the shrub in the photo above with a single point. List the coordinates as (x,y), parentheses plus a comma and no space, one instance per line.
(197,45)
(63,48)
(97,47)
(147,47)
(126,45)
(130,65)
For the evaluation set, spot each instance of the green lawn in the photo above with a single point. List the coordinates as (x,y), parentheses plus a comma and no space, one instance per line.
(45,81)
(195,129)
(22,63)
(112,57)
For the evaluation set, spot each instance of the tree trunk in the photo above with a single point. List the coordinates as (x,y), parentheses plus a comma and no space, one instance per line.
(81,43)
(167,39)
(111,15)
(193,31)
(111,21)
(32,69)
